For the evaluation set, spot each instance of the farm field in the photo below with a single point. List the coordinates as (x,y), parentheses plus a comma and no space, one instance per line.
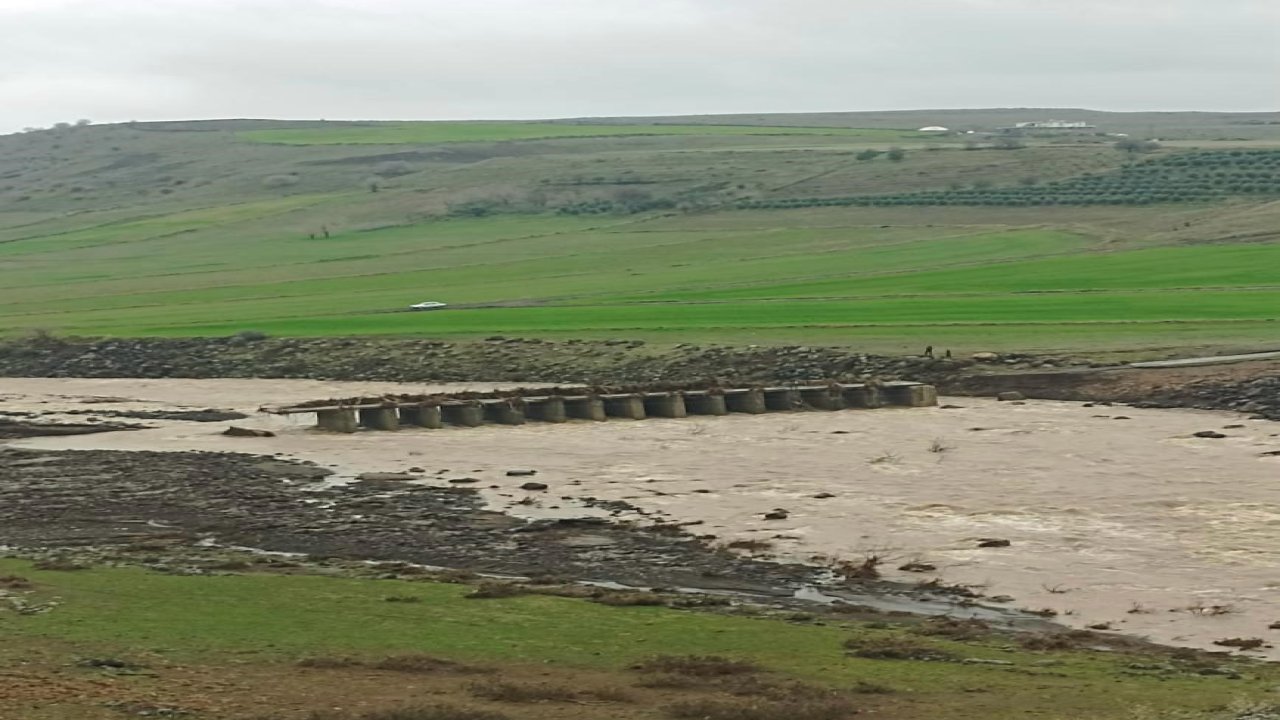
(525,229)
(451,132)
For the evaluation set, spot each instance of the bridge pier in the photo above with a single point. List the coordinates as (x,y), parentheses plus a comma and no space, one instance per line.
(465,414)
(343,421)
(701,402)
(630,406)
(548,409)
(669,405)
(746,400)
(427,416)
(380,418)
(584,407)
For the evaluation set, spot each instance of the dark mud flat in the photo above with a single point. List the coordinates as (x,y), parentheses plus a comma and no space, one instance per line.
(101,498)
(14,429)
(203,416)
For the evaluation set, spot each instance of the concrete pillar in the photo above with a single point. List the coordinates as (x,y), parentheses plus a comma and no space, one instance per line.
(862,396)
(343,421)
(549,409)
(624,406)
(910,394)
(749,400)
(380,419)
(503,412)
(782,399)
(669,405)
(823,398)
(587,407)
(427,416)
(465,414)
(700,402)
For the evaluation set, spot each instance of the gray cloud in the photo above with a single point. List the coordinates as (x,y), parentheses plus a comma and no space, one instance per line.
(113,60)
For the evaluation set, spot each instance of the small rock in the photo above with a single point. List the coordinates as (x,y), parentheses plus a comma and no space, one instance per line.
(1099,626)
(1232,427)
(1209,434)
(950,407)
(235,431)
(464,481)
(918,567)
(1274,626)
(521,473)
(778,514)
(993,543)
(1122,417)
(985,357)
(1010,395)
(823,496)
(533,486)
(416,470)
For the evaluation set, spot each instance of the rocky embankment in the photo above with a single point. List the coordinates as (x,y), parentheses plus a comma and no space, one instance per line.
(623,362)
(1260,396)
(611,362)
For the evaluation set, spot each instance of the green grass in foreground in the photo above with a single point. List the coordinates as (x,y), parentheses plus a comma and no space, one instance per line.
(269,618)
(453,132)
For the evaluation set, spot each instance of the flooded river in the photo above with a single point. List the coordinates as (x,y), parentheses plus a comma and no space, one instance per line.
(1114,515)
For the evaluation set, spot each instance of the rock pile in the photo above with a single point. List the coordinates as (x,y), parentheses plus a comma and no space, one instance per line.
(1260,396)
(499,359)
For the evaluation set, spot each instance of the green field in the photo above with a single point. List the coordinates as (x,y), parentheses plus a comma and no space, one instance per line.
(453,132)
(263,623)
(164,232)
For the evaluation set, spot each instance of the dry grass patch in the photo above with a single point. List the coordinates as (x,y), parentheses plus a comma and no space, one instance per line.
(701,666)
(490,590)
(953,628)
(895,647)
(413,712)
(14,582)
(417,663)
(630,599)
(756,709)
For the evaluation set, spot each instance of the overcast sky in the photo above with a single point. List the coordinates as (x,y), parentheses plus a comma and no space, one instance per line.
(116,60)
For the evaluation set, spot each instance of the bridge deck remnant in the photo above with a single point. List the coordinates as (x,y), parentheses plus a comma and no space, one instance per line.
(466,410)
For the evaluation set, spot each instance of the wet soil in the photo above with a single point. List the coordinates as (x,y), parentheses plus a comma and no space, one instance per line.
(96,498)
(14,429)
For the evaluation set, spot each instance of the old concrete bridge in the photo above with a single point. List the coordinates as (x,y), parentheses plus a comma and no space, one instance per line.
(558,406)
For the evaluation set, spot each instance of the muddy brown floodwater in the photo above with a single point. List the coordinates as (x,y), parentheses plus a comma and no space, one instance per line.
(1114,514)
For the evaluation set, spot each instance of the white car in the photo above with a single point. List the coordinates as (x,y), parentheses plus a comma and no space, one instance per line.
(427,306)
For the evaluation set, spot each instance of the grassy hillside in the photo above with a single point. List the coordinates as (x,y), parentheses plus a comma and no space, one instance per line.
(639,230)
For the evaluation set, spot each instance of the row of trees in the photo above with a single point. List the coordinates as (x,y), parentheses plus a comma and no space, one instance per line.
(1192,177)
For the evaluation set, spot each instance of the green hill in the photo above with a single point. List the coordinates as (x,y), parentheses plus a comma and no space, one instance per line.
(753,230)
